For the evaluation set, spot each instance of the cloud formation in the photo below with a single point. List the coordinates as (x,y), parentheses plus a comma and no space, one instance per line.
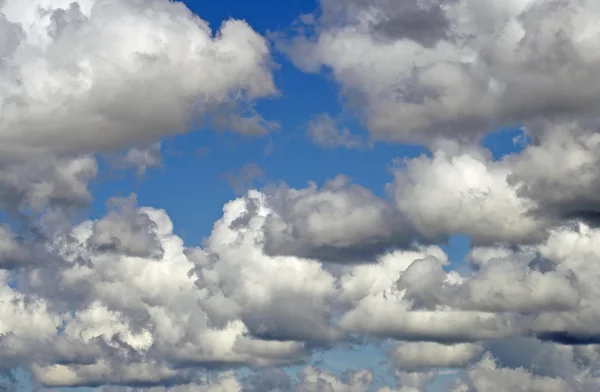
(96,75)
(131,315)
(121,301)
(417,71)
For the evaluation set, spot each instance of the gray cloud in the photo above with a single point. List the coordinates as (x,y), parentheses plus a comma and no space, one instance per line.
(244,178)
(324,132)
(126,231)
(418,71)
(341,222)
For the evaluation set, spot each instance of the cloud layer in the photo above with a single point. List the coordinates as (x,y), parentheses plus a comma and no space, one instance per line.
(289,273)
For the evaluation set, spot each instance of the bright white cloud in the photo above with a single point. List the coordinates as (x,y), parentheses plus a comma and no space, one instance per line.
(96,75)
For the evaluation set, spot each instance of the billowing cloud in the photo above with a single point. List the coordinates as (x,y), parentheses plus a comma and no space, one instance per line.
(416,71)
(340,222)
(121,301)
(147,310)
(455,192)
(92,75)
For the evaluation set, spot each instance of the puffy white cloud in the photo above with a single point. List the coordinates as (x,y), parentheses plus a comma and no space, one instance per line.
(403,304)
(574,251)
(151,316)
(419,70)
(118,312)
(97,75)
(122,300)
(464,193)
(24,316)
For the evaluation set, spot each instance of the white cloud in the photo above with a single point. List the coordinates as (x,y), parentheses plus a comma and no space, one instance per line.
(423,355)
(285,272)
(418,71)
(132,317)
(88,76)
(464,193)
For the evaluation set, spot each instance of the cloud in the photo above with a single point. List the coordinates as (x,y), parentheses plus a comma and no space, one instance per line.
(423,355)
(150,317)
(418,71)
(12,253)
(141,159)
(244,178)
(121,301)
(487,376)
(148,311)
(47,182)
(464,192)
(324,132)
(562,189)
(126,231)
(340,222)
(135,71)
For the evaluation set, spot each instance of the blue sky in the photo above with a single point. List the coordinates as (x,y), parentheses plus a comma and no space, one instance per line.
(287,155)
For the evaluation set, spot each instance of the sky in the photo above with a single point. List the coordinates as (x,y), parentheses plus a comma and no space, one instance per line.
(302,196)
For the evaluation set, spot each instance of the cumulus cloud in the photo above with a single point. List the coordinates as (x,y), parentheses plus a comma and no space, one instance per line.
(155,321)
(120,301)
(466,193)
(339,222)
(561,188)
(50,182)
(416,71)
(92,75)
(147,310)
(488,376)
(126,231)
